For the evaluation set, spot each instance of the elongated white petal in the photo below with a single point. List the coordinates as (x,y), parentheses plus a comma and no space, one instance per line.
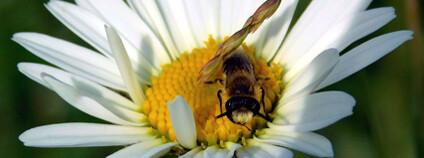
(259,149)
(215,152)
(364,55)
(136,150)
(211,152)
(348,31)
(198,20)
(192,152)
(151,13)
(268,38)
(83,135)
(91,29)
(313,112)
(306,142)
(132,29)
(175,16)
(182,120)
(233,14)
(314,22)
(199,154)
(89,101)
(82,23)
(232,147)
(34,71)
(243,153)
(124,65)
(361,25)
(312,76)
(72,58)
(159,151)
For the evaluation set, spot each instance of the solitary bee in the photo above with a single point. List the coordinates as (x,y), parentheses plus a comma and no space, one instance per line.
(240,82)
(241,87)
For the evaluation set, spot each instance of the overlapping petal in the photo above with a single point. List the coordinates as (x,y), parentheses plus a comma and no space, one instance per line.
(346,31)
(259,149)
(306,142)
(269,37)
(317,19)
(146,149)
(91,29)
(313,112)
(183,123)
(72,58)
(303,82)
(365,54)
(83,135)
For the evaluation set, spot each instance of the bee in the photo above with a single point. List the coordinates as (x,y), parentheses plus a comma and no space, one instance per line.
(245,95)
(240,82)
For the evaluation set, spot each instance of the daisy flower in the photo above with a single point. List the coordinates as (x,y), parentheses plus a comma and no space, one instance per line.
(141,75)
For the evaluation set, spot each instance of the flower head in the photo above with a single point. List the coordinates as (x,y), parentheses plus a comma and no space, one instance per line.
(145,79)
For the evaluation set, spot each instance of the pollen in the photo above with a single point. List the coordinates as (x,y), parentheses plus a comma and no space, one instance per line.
(180,78)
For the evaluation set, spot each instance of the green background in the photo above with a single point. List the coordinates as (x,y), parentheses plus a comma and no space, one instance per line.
(388,120)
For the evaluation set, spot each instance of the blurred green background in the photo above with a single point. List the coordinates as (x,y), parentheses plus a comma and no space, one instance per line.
(388,120)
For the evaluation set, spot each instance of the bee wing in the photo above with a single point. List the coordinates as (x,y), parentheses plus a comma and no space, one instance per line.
(209,69)
(224,51)
(227,48)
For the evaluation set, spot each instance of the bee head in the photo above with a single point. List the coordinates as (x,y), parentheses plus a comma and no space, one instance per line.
(240,110)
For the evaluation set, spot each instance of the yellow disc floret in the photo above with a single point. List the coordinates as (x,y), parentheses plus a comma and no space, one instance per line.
(180,78)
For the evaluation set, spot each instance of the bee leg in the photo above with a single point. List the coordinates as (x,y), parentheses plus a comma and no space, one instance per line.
(220,100)
(264,117)
(263,101)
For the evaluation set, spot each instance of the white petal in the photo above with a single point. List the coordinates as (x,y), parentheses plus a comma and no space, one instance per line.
(233,14)
(364,55)
(228,152)
(348,31)
(211,152)
(159,151)
(124,65)
(306,142)
(83,135)
(91,29)
(308,80)
(136,150)
(152,15)
(211,15)
(199,154)
(258,149)
(268,38)
(314,22)
(313,112)
(192,152)
(87,99)
(82,23)
(232,147)
(34,71)
(241,153)
(72,58)
(182,120)
(176,18)
(361,25)
(197,20)
(132,29)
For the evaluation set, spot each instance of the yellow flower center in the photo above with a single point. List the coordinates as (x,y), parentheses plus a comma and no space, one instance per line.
(180,78)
